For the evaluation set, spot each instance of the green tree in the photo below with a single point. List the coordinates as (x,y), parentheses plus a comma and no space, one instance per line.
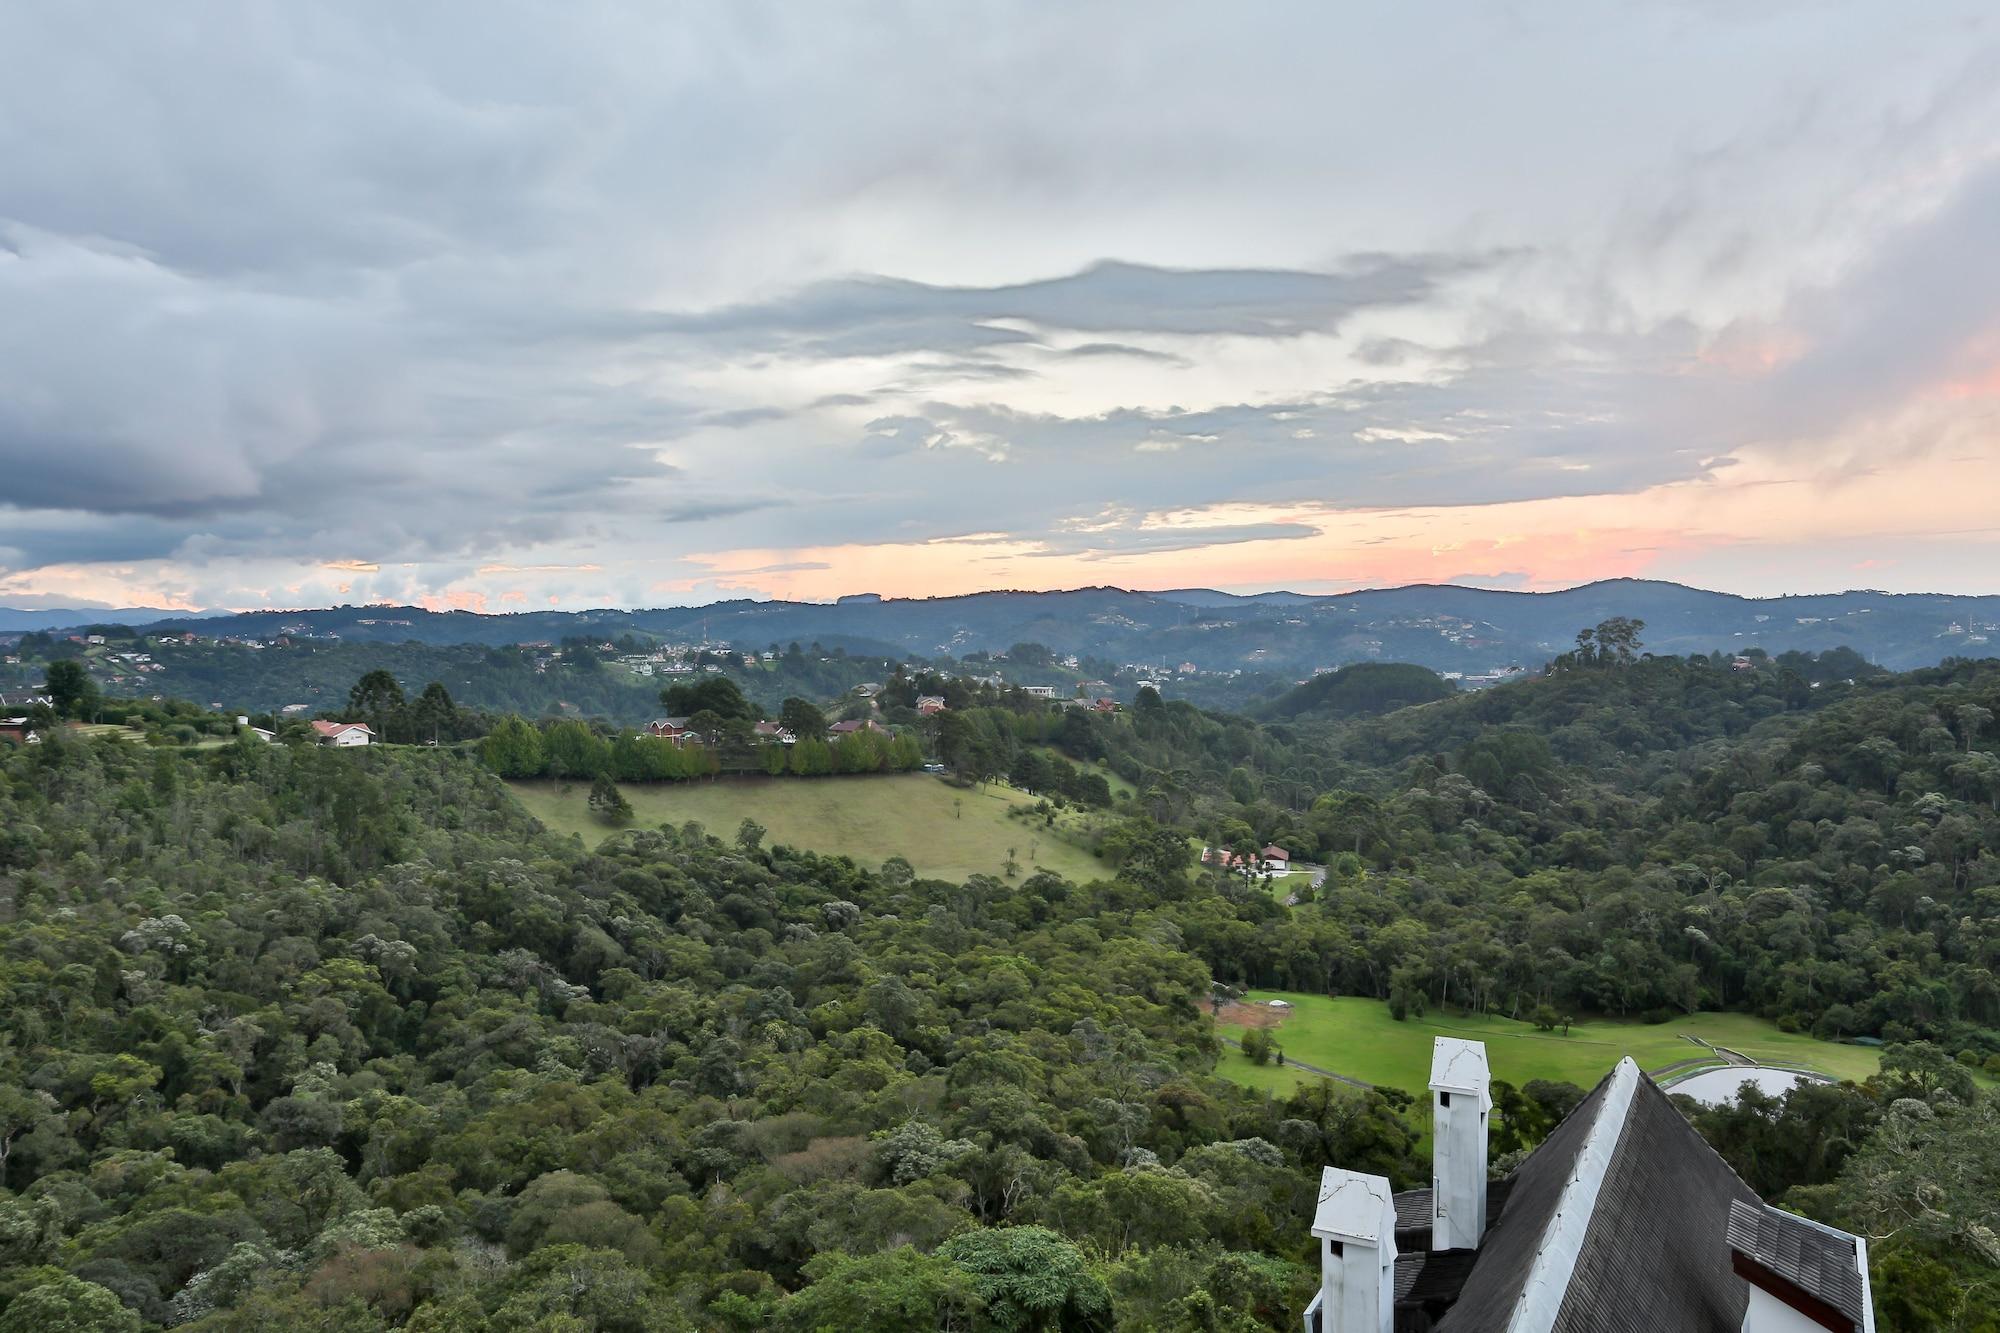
(573,750)
(434,716)
(1031,1280)
(716,694)
(378,700)
(513,749)
(68,1305)
(608,803)
(898,1291)
(802,718)
(72,693)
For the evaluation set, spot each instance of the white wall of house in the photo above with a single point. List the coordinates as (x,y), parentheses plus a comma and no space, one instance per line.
(352,736)
(1767,1314)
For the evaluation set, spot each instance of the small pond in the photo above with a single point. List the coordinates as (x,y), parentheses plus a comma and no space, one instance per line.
(1718,1087)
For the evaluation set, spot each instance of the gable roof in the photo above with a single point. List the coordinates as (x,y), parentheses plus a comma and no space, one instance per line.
(1666,1196)
(1618,1223)
(335,728)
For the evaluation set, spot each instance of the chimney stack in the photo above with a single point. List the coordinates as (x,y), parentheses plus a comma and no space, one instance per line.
(1355,1225)
(1460,1103)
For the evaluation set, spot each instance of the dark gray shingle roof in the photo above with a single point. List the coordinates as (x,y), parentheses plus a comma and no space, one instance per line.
(1817,1262)
(1655,1258)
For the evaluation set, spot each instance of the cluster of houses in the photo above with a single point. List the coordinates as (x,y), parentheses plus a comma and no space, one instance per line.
(1273,860)
(681,732)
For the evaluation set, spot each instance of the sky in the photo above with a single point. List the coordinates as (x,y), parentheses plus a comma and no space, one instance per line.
(508,305)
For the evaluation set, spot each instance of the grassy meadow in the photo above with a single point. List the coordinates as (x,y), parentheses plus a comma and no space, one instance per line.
(1357,1037)
(945,832)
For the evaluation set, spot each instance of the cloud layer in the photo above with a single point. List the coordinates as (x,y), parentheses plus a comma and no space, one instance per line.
(567,305)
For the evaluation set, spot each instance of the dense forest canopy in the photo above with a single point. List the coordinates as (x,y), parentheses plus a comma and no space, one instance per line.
(295,1037)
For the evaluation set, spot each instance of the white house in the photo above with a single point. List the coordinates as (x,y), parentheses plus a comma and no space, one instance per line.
(342,734)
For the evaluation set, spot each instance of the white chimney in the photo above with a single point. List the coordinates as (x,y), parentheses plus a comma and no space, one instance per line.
(1460,1103)
(1355,1225)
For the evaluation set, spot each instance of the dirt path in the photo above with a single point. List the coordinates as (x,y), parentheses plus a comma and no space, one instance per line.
(1326,1073)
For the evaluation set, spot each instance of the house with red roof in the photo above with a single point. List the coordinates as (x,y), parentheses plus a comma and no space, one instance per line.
(342,733)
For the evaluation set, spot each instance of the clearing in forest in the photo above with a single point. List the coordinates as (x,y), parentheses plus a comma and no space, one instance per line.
(945,832)
(1358,1038)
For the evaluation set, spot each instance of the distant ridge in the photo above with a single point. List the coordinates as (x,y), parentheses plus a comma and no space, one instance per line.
(1288,635)
(15,619)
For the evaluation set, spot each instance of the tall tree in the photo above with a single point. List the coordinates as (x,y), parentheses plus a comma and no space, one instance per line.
(72,693)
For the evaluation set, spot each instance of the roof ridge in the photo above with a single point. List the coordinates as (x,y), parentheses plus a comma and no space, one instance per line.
(1554,1263)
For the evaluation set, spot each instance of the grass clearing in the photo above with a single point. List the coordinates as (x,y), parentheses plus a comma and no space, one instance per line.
(1357,1037)
(946,832)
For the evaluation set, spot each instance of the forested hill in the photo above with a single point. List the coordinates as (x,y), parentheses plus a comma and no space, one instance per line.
(293,1037)
(1447,628)
(296,1038)
(1365,689)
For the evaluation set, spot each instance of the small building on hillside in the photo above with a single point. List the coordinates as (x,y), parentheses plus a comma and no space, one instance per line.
(1228,860)
(930,705)
(675,729)
(1277,859)
(11,699)
(1039,691)
(342,734)
(770,733)
(839,729)
(17,730)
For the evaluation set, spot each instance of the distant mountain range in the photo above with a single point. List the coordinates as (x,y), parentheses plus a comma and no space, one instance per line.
(14,619)
(1445,627)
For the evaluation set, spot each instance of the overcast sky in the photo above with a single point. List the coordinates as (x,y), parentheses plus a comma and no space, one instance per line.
(508,305)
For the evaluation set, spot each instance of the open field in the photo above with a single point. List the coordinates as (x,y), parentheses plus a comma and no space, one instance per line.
(945,832)
(98,730)
(1357,1037)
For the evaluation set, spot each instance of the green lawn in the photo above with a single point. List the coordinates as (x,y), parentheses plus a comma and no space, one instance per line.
(1291,882)
(102,729)
(1357,1037)
(946,832)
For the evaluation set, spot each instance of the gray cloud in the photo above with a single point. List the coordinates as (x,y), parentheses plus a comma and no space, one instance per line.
(447,285)
(1124,350)
(874,316)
